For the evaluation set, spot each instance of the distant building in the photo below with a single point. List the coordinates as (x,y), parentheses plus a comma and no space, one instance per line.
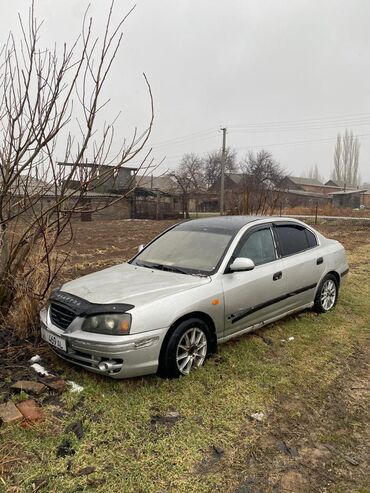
(341,184)
(156,197)
(352,199)
(164,183)
(102,178)
(307,185)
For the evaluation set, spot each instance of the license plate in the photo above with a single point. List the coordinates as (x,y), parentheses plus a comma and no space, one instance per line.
(54,340)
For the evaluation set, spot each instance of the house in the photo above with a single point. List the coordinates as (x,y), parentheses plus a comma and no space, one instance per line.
(366,199)
(156,197)
(339,183)
(103,178)
(349,198)
(30,197)
(233,181)
(163,183)
(307,185)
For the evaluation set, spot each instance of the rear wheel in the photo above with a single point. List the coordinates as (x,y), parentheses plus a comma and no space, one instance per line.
(186,349)
(327,294)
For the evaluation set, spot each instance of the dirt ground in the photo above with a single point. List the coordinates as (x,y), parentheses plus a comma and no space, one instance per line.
(100,244)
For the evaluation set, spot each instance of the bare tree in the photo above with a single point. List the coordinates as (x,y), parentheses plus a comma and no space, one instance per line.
(212,165)
(346,159)
(262,176)
(41,92)
(189,176)
(314,173)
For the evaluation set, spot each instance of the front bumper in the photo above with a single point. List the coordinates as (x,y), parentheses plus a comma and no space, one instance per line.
(128,356)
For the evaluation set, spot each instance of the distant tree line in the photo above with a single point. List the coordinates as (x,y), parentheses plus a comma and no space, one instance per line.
(260,176)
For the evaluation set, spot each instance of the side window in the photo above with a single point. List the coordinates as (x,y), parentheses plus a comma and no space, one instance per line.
(294,239)
(259,247)
(311,238)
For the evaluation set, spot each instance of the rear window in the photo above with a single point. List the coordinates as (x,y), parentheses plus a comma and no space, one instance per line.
(294,239)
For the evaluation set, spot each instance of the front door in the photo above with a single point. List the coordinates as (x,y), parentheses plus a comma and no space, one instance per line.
(257,295)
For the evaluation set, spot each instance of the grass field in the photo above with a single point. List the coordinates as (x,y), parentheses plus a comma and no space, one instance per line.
(313,392)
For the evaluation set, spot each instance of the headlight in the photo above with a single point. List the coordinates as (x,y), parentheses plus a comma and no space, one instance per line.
(114,324)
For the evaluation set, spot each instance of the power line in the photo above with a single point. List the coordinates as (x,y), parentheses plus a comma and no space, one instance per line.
(201,133)
(317,123)
(296,142)
(300,129)
(307,120)
(314,141)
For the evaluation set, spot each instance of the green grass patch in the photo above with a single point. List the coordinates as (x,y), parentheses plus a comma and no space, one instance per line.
(131,454)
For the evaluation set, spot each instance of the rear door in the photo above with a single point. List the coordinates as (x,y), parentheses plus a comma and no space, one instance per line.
(256,295)
(303,265)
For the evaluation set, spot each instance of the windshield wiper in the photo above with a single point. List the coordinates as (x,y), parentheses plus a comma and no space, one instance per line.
(173,268)
(169,268)
(148,266)
(153,266)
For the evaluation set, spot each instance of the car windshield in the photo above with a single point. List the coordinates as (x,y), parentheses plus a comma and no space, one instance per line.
(186,250)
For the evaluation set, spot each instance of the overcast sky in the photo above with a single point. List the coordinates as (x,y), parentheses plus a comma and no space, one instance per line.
(286,75)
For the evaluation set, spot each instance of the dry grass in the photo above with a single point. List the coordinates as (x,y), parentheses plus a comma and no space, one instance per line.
(326,210)
(23,318)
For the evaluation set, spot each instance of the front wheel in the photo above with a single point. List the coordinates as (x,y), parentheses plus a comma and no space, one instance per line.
(186,349)
(327,294)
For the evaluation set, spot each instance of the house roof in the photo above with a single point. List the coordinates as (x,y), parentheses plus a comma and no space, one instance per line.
(35,187)
(235,177)
(162,183)
(350,192)
(340,184)
(305,193)
(29,183)
(300,180)
(97,165)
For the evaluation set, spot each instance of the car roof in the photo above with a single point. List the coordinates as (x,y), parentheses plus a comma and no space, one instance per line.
(229,224)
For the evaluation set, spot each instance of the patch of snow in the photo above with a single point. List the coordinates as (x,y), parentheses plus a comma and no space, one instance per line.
(39,369)
(35,359)
(257,416)
(75,387)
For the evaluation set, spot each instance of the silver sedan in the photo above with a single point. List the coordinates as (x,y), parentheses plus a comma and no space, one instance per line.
(193,287)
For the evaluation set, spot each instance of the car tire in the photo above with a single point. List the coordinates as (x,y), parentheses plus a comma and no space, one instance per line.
(186,349)
(327,294)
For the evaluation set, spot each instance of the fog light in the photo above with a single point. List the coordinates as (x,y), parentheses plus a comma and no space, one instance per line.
(107,365)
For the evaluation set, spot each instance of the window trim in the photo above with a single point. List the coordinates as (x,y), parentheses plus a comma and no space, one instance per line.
(245,236)
(294,225)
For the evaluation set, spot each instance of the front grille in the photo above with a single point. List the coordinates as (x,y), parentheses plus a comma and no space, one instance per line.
(61,315)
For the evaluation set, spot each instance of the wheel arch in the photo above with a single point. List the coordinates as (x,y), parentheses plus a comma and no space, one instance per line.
(331,272)
(335,274)
(196,314)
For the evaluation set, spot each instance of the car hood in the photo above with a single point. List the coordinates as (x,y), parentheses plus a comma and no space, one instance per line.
(126,283)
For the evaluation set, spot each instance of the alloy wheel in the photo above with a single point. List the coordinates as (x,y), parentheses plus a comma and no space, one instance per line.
(191,350)
(328,294)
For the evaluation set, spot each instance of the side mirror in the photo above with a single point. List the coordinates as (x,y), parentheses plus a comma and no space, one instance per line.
(242,264)
(140,248)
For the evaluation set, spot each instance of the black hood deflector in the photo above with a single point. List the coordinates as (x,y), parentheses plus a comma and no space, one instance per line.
(83,308)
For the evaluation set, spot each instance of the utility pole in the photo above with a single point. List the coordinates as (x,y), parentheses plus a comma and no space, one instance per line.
(223,163)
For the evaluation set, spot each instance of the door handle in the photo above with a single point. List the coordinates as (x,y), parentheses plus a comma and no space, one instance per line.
(319,261)
(277,275)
